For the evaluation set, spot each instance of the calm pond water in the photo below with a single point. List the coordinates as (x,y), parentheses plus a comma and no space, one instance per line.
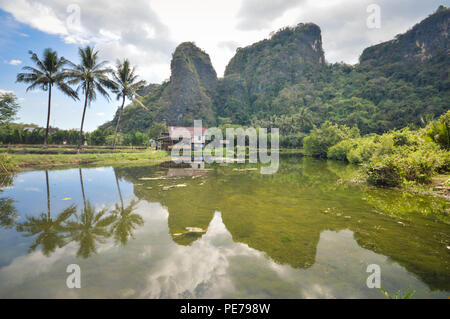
(227,232)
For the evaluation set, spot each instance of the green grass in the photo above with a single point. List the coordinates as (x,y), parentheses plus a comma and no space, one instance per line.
(66,149)
(17,162)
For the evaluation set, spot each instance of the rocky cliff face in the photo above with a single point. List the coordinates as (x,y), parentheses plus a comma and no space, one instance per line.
(188,95)
(263,69)
(424,41)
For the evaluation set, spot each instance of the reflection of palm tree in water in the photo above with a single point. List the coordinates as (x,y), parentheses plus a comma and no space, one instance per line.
(126,221)
(89,227)
(51,233)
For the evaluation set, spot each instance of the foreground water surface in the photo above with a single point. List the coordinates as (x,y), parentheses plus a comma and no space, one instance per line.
(226,232)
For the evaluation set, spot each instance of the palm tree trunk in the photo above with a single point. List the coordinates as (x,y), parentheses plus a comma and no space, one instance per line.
(80,139)
(118,122)
(48,116)
(48,195)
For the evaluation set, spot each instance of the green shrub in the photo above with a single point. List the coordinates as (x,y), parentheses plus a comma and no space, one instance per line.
(98,137)
(6,163)
(403,155)
(341,150)
(135,139)
(384,172)
(328,135)
(439,131)
(292,141)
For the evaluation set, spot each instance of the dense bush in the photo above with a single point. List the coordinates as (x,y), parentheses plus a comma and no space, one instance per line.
(439,131)
(6,163)
(406,164)
(384,172)
(321,139)
(292,141)
(135,139)
(99,137)
(389,159)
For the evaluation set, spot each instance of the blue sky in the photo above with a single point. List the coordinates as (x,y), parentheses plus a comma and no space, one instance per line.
(15,41)
(148,31)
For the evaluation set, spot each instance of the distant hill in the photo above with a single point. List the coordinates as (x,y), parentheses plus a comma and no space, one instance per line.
(394,85)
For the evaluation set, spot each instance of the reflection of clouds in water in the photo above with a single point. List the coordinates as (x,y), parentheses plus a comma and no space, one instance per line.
(214,266)
(199,270)
(30,266)
(33,189)
(318,292)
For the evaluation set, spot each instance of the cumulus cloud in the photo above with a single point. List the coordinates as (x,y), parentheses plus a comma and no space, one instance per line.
(119,29)
(147,31)
(14,62)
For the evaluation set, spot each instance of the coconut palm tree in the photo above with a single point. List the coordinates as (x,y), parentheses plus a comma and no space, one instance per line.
(126,86)
(90,76)
(48,72)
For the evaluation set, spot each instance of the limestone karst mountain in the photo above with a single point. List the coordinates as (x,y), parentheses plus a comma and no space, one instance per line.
(395,84)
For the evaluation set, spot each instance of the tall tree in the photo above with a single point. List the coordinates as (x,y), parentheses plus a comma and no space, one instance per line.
(90,76)
(8,107)
(48,72)
(126,86)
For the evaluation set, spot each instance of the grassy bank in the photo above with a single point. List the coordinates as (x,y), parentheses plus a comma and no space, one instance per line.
(66,149)
(17,162)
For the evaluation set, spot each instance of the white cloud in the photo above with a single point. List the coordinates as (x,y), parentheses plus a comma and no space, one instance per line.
(100,114)
(119,29)
(5,91)
(259,14)
(14,62)
(147,31)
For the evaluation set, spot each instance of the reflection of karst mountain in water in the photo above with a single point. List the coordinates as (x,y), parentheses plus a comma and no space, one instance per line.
(284,214)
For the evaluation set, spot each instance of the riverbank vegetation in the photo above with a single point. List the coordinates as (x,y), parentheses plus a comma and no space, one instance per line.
(392,159)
